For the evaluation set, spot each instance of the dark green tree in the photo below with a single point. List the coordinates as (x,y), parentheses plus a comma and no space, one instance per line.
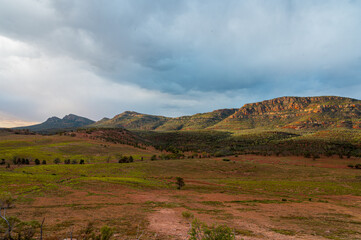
(180,182)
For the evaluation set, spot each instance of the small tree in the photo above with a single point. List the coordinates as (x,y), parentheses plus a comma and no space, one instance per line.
(56,160)
(180,182)
(37,161)
(6,202)
(123,159)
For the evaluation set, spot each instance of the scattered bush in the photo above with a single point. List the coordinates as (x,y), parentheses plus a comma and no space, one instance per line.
(200,231)
(187,215)
(57,161)
(37,162)
(180,182)
(105,233)
(6,200)
(126,159)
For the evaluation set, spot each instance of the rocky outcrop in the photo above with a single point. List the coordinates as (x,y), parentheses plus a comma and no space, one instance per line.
(297,113)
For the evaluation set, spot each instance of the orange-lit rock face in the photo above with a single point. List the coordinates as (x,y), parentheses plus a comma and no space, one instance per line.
(292,111)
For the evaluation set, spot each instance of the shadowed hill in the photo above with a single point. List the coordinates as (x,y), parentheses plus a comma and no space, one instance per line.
(53,124)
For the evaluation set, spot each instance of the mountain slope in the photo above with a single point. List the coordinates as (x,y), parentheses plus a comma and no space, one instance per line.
(197,121)
(52,124)
(284,112)
(296,113)
(138,121)
(132,120)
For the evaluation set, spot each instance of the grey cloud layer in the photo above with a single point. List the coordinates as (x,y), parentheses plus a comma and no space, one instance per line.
(258,48)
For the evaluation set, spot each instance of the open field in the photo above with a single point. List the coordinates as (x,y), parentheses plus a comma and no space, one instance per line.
(261,197)
(65,147)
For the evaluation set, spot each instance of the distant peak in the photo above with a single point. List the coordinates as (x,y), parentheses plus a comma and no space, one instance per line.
(131,112)
(70,116)
(53,119)
(128,113)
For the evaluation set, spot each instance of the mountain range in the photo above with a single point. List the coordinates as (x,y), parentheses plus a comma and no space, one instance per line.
(54,124)
(284,112)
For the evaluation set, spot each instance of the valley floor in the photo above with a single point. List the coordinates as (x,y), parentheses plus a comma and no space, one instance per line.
(260,197)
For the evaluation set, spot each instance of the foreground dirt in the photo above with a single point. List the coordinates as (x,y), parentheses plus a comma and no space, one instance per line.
(157,214)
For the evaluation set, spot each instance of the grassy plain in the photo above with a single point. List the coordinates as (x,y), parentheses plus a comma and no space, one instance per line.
(261,197)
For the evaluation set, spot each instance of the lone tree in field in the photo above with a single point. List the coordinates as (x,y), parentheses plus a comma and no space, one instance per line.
(180,182)
(6,201)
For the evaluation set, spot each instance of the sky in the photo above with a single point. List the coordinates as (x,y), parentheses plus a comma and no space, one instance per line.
(168,57)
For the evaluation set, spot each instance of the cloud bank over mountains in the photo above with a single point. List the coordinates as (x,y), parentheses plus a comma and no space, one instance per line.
(167,57)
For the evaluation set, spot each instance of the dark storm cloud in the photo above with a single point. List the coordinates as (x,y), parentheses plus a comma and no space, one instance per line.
(185,49)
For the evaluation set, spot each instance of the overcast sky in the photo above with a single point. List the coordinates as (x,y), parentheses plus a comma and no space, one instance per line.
(169,57)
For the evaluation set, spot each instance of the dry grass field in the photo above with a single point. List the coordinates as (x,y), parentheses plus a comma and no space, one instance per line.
(260,197)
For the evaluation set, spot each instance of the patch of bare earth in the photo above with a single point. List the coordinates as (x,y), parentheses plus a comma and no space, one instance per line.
(167,222)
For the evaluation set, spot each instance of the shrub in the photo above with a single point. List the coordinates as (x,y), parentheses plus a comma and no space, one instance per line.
(124,159)
(37,161)
(154,157)
(56,160)
(226,160)
(315,156)
(180,182)
(6,200)
(187,215)
(43,162)
(358,166)
(200,231)
(105,233)
(81,161)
